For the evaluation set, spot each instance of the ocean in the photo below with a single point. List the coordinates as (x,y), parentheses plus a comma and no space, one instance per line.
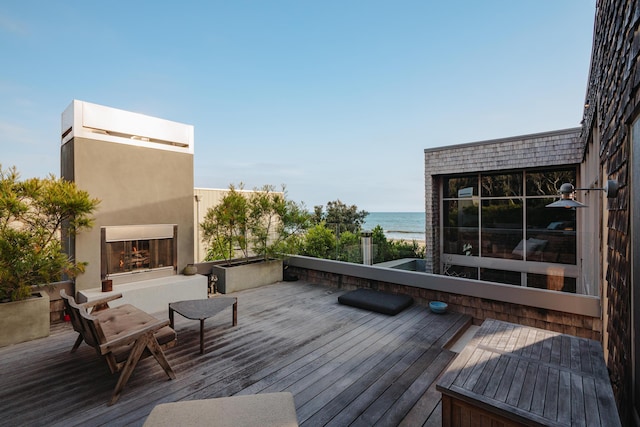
(398,225)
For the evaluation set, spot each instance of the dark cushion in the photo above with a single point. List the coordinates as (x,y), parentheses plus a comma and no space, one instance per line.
(380,302)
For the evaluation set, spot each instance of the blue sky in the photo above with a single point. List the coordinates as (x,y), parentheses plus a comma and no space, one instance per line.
(335,99)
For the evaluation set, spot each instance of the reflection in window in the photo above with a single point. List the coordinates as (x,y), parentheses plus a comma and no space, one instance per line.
(547,183)
(501,276)
(551,233)
(502,185)
(461,228)
(504,215)
(462,186)
(501,228)
(461,271)
(551,282)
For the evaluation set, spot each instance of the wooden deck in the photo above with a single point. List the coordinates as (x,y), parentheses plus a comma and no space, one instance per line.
(344,366)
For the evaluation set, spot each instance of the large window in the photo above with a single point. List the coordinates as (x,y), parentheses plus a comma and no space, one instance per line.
(489,217)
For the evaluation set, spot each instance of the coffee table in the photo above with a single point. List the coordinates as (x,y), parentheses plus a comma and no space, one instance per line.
(201,309)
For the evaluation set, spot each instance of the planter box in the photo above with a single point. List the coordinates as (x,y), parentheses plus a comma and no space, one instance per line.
(241,275)
(25,320)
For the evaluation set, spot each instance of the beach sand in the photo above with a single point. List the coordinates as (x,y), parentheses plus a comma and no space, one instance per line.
(421,243)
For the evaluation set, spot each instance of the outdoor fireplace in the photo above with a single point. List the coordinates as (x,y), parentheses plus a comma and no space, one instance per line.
(130,253)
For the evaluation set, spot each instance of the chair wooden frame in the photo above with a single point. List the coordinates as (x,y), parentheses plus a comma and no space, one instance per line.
(132,344)
(95,306)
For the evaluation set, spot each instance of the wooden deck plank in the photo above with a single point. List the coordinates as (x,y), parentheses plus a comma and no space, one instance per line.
(564,403)
(341,397)
(545,355)
(282,329)
(493,384)
(416,363)
(586,364)
(476,372)
(424,379)
(254,355)
(551,395)
(427,411)
(528,387)
(539,391)
(591,401)
(515,387)
(506,378)
(578,418)
(602,387)
(316,390)
(300,359)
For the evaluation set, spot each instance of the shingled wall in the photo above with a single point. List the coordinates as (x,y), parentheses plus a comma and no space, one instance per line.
(555,148)
(613,103)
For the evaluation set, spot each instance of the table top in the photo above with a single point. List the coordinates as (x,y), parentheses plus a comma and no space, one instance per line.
(533,375)
(198,309)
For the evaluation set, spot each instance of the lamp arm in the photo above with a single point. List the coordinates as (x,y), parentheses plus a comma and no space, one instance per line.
(610,188)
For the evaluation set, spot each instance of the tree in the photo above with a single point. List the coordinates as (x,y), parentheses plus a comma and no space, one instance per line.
(274,220)
(225,225)
(381,244)
(350,247)
(320,242)
(387,250)
(338,214)
(263,222)
(34,214)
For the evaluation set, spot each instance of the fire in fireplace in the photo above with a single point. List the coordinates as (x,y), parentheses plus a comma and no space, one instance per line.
(138,252)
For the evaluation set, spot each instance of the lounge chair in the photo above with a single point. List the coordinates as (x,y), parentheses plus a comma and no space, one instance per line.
(121,336)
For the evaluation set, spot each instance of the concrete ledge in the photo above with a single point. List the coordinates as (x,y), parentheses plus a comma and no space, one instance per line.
(584,305)
(264,410)
(153,296)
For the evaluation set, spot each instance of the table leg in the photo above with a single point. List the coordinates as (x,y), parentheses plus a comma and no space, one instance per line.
(171,317)
(235,313)
(201,336)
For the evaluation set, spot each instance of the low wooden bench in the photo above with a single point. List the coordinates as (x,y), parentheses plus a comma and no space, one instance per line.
(515,375)
(122,336)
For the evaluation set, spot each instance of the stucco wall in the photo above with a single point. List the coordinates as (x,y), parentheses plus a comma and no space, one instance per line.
(136,185)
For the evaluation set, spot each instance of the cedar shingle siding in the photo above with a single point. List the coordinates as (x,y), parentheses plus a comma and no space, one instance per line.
(613,99)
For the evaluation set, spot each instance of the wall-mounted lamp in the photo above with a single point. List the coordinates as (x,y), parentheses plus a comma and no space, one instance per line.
(568,195)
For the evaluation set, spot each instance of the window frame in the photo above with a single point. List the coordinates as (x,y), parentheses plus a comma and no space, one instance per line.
(524,266)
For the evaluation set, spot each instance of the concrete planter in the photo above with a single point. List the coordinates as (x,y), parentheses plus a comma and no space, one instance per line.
(241,275)
(25,320)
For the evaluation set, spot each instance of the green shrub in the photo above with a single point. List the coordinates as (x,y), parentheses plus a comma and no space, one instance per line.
(35,214)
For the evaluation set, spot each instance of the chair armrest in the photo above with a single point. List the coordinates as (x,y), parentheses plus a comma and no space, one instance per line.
(132,336)
(100,301)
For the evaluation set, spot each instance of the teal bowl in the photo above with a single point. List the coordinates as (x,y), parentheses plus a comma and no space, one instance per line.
(438,306)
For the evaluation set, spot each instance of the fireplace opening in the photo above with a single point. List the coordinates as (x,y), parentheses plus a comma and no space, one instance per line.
(146,251)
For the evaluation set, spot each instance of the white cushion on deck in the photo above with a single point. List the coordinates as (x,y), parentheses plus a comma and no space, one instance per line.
(264,410)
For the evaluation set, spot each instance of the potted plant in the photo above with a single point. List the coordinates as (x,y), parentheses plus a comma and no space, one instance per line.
(250,231)
(34,215)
